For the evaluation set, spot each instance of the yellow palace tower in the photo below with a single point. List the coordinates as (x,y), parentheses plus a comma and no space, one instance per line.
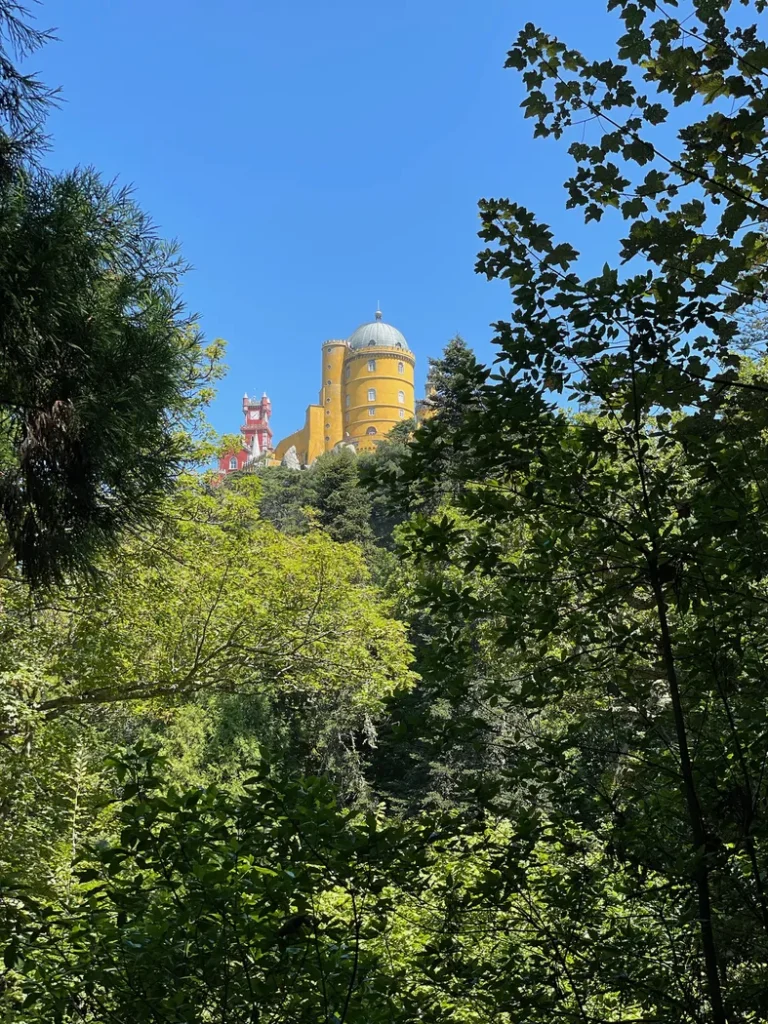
(367,387)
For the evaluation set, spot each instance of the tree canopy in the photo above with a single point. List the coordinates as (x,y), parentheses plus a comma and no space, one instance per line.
(99,368)
(24,99)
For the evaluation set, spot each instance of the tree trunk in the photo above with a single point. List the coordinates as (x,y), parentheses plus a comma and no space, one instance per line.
(698,831)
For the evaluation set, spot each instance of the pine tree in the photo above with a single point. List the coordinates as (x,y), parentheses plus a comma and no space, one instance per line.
(453,381)
(98,366)
(455,392)
(344,508)
(24,99)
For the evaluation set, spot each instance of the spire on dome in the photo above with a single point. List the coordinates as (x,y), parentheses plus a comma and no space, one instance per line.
(379,314)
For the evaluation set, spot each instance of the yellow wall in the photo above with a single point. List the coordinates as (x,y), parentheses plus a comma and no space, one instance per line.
(387,382)
(294,440)
(308,441)
(342,413)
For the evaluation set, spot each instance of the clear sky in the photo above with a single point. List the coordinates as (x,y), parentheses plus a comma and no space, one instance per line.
(313,159)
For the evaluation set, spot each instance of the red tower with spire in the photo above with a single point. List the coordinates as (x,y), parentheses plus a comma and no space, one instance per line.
(257,435)
(256,425)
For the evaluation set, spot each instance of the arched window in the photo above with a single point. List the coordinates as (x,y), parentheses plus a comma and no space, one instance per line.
(402,413)
(347,400)
(401,368)
(371,394)
(398,345)
(346,417)
(371,365)
(347,371)
(233,463)
(401,397)
(371,412)
(371,430)
(372,344)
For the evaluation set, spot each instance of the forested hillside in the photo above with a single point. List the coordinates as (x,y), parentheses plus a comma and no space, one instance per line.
(472,728)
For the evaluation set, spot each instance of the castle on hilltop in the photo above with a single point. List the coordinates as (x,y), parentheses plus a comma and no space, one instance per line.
(367,387)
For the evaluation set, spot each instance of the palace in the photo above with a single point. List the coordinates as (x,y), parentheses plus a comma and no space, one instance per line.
(367,387)
(257,437)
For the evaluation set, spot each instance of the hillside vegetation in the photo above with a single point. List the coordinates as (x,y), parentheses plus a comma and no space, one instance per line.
(473,728)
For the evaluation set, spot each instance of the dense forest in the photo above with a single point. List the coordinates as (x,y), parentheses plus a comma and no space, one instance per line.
(472,728)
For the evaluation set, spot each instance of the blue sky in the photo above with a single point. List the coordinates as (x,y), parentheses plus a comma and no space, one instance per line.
(312,159)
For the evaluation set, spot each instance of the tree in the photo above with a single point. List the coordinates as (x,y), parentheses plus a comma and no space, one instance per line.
(99,367)
(286,495)
(453,382)
(212,599)
(628,545)
(379,471)
(343,507)
(210,907)
(327,494)
(212,636)
(455,388)
(24,100)
(445,742)
(401,486)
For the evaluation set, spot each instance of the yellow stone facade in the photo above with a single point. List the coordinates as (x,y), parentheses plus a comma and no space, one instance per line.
(367,388)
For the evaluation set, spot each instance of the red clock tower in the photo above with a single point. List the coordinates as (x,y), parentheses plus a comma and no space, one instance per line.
(257,435)
(256,424)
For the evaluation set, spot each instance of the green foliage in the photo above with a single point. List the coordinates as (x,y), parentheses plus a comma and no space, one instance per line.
(446,742)
(24,100)
(209,908)
(99,368)
(455,395)
(555,575)
(286,497)
(212,600)
(624,550)
(327,494)
(568,815)
(403,485)
(343,507)
(380,473)
(215,636)
(279,904)
(453,382)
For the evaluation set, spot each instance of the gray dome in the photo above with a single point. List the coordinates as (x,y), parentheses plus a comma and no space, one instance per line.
(375,334)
